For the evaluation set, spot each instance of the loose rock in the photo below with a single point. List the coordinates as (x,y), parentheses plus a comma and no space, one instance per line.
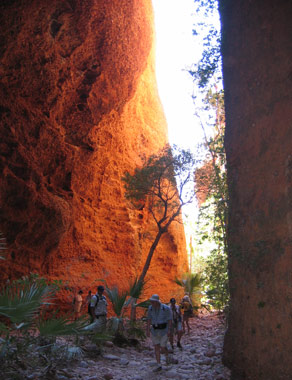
(200,357)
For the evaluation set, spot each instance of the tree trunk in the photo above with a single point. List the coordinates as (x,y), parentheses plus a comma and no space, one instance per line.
(150,254)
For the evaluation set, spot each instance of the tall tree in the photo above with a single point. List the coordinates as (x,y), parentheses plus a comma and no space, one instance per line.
(163,184)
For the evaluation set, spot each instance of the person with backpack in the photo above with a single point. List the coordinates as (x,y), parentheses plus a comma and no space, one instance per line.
(159,320)
(176,327)
(187,308)
(98,309)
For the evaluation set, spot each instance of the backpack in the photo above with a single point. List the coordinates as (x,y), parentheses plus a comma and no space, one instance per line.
(98,298)
(176,315)
(186,305)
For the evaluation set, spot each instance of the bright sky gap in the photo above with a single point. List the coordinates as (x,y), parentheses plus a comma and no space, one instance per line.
(177,49)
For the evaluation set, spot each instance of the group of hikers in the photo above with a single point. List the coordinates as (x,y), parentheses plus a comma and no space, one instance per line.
(164,322)
(96,307)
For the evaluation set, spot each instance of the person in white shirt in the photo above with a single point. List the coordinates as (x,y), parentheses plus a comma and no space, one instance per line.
(98,309)
(159,320)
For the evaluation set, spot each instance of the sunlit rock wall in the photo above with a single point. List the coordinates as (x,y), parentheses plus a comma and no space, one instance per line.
(257,64)
(79,106)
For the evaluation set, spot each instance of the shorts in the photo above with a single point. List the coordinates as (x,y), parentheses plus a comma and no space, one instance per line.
(98,325)
(159,338)
(176,327)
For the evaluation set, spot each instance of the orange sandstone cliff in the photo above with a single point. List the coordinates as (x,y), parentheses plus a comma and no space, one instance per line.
(79,106)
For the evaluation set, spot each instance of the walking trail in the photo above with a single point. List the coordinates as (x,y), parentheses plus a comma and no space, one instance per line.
(199,359)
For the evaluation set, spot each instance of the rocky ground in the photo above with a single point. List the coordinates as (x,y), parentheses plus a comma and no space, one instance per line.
(200,358)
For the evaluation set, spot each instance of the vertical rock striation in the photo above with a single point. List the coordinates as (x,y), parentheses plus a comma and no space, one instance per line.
(257,65)
(79,106)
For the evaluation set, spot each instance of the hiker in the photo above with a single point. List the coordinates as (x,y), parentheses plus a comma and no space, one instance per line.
(77,303)
(176,327)
(159,320)
(98,309)
(187,308)
(88,301)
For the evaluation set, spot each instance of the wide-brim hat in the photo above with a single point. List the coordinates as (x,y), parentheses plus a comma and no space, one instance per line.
(155,298)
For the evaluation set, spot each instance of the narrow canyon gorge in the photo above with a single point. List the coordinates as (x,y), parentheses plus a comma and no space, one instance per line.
(79,106)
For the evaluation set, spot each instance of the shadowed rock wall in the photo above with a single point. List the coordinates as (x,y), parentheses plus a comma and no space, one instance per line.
(257,65)
(79,106)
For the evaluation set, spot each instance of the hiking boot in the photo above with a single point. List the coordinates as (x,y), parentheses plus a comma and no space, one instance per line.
(179,345)
(157,368)
(168,359)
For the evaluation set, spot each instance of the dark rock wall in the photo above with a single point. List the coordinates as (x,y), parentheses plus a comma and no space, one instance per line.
(257,65)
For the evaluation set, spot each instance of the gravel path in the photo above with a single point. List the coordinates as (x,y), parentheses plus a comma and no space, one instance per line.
(200,358)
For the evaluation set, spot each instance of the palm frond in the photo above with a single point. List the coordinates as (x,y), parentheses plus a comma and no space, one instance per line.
(61,326)
(144,304)
(179,282)
(117,299)
(136,288)
(22,302)
(191,282)
(195,281)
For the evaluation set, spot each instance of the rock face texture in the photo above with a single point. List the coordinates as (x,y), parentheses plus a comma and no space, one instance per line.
(257,64)
(79,106)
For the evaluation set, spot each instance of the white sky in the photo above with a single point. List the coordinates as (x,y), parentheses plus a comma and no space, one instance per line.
(176,50)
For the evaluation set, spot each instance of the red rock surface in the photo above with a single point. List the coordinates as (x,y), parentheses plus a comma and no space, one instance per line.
(79,106)
(258,77)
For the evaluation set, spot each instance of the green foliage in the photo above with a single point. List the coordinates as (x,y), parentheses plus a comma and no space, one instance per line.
(28,334)
(163,184)
(136,288)
(213,213)
(261,304)
(193,286)
(210,62)
(162,180)
(217,279)
(21,302)
(29,330)
(60,326)
(144,304)
(191,282)
(120,300)
(117,299)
